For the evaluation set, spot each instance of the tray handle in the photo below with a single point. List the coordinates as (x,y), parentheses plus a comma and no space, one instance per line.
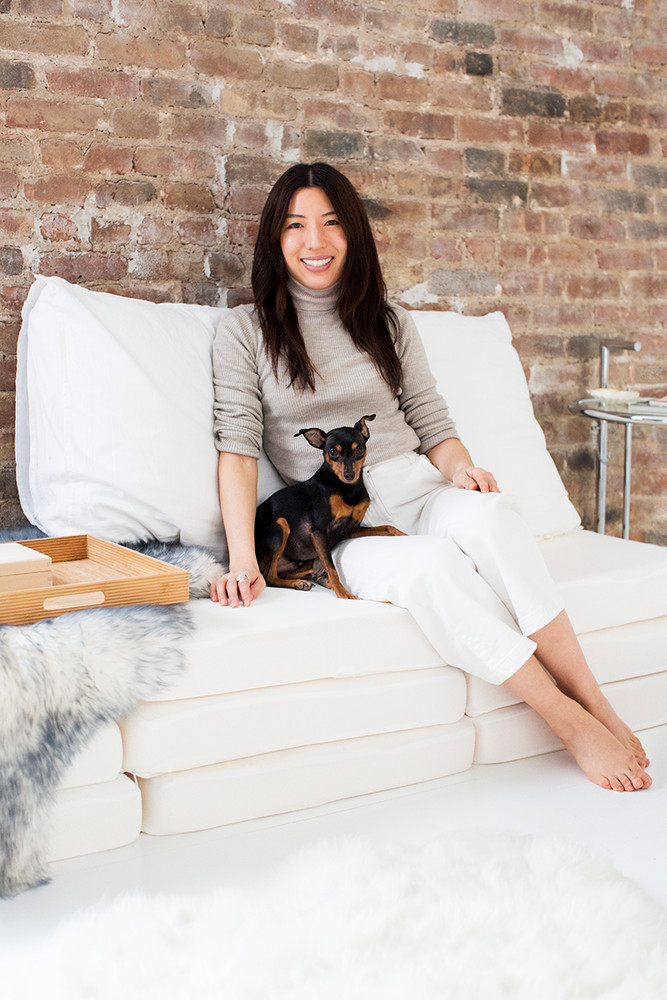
(72,602)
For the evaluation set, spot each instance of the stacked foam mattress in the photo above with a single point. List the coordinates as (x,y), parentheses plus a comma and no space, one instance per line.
(97,807)
(615,592)
(299,700)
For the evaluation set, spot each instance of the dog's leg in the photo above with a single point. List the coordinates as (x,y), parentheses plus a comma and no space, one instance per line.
(271,575)
(324,554)
(382,529)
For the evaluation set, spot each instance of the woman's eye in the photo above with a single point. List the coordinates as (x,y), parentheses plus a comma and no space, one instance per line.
(332,222)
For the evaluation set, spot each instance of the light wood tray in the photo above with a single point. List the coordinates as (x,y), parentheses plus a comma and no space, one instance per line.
(91,573)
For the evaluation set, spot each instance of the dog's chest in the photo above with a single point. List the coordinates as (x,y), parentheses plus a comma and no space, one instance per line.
(345,517)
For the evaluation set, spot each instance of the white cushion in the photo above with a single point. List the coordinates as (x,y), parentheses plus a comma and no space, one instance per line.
(518,731)
(98,761)
(607,581)
(94,818)
(114,417)
(281,782)
(179,735)
(284,638)
(613,654)
(480,375)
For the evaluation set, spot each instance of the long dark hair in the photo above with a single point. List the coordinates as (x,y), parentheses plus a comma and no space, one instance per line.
(362,298)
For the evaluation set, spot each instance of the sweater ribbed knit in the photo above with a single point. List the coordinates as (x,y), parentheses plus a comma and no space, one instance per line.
(253,408)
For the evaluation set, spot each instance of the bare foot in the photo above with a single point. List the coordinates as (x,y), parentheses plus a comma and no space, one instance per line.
(604,713)
(602,757)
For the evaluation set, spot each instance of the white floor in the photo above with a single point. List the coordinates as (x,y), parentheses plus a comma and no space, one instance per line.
(542,795)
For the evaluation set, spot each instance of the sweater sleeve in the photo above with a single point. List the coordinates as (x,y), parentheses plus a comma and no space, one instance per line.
(424,408)
(238,422)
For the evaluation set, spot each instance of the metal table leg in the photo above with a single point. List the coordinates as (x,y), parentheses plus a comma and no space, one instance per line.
(626,480)
(602,476)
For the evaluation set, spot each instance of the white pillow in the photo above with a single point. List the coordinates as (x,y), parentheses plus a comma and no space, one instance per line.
(115,417)
(480,375)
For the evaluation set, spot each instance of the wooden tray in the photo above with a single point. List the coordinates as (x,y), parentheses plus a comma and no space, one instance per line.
(91,573)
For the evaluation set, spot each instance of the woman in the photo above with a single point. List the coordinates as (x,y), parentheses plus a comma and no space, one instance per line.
(320,347)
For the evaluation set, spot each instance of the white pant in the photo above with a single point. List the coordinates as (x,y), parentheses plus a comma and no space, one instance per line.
(469,571)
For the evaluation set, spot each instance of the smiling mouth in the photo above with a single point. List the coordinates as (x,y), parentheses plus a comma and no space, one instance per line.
(317,265)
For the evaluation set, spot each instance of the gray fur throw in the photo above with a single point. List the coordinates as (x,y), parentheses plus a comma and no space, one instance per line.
(60,680)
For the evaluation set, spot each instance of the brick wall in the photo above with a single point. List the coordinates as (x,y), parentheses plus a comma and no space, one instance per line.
(511,154)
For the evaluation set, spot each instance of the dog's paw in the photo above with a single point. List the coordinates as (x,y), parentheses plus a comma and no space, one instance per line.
(304,585)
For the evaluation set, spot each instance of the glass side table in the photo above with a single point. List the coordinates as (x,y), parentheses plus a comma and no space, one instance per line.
(628,414)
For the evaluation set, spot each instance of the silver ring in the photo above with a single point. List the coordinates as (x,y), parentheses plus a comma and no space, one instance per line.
(241,577)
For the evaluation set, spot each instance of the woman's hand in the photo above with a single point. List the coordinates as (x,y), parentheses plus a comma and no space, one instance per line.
(240,586)
(474,478)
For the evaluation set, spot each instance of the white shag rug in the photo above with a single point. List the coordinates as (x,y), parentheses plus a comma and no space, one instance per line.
(472,917)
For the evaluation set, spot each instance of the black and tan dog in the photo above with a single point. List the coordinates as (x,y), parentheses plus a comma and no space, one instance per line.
(301,523)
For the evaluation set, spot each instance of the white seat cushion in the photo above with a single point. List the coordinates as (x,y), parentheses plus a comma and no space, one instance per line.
(517,731)
(177,735)
(100,760)
(607,581)
(613,654)
(94,818)
(288,637)
(299,779)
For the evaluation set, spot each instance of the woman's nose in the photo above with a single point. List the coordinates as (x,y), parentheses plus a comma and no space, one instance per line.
(314,235)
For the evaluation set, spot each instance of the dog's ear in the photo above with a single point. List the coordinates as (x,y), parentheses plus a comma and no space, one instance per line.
(313,435)
(361,426)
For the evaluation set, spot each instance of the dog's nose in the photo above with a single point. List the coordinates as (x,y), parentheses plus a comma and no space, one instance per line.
(349,474)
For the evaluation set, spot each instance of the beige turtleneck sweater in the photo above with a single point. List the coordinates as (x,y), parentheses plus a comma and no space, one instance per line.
(252,408)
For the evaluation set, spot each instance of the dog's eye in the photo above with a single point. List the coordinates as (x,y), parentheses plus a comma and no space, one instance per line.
(334,453)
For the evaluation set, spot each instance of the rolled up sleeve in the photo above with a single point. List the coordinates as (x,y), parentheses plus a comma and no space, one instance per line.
(424,408)
(238,419)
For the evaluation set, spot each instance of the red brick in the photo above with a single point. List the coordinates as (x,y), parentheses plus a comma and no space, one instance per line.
(192,197)
(635,143)
(597,287)
(591,228)
(136,124)
(15,149)
(171,162)
(122,49)
(153,265)
(108,159)
(247,200)
(257,30)
(91,10)
(611,84)
(200,231)
(46,39)
(60,154)
(218,59)
(203,129)
(336,12)
(15,225)
(83,267)
(304,76)
(472,129)
(56,116)
(58,228)
(99,83)
(154,231)
(392,87)
(9,184)
(427,125)
(188,18)
(58,189)
(104,235)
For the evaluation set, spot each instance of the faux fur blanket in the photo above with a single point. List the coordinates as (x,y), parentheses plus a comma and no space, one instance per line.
(63,678)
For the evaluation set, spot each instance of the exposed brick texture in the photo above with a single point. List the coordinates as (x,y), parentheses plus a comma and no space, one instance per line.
(511,155)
